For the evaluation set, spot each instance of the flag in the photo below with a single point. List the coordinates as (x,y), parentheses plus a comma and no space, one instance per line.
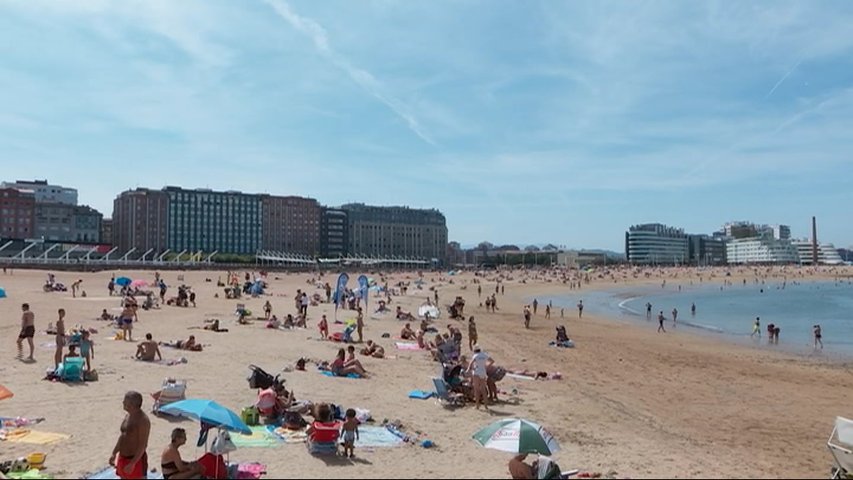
(364,286)
(340,289)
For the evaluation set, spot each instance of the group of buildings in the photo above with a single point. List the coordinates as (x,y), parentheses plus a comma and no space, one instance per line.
(36,209)
(201,220)
(736,243)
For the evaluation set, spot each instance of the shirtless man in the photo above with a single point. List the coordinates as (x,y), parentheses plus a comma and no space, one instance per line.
(74,287)
(28,331)
(359,325)
(407,333)
(129,457)
(373,350)
(148,349)
(126,319)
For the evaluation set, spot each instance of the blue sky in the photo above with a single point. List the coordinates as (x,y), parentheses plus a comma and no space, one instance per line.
(524,122)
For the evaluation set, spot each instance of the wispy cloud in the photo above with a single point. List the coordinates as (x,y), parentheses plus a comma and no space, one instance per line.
(361,77)
(781,80)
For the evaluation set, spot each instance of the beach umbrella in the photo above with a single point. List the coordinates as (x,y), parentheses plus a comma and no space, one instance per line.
(516,435)
(5,393)
(209,412)
(2,293)
(138,283)
(123,281)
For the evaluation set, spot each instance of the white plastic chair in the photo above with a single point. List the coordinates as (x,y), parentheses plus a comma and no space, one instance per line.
(840,445)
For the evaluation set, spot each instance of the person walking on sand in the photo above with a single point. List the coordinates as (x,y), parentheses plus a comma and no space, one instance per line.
(756,328)
(535,306)
(28,331)
(75,286)
(479,290)
(580,309)
(661,318)
(817,337)
(674,316)
(129,456)
(526,316)
(472,333)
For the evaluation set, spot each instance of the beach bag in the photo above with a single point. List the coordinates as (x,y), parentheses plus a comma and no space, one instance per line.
(222,444)
(499,374)
(258,378)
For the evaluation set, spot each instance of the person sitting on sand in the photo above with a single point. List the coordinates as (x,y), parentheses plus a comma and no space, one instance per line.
(401,315)
(288,321)
(373,350)
(171,463)
(213,325)
(188,344)
(106,316)
(274,322)
(72,352)
(342,368)
(407,333)
(422,344)
(146,350)
(301,321)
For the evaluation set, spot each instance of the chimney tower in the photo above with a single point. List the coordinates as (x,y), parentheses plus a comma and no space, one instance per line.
(814,241)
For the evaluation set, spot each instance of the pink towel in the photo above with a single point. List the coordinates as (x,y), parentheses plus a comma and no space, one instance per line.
(251,471)
(407,346)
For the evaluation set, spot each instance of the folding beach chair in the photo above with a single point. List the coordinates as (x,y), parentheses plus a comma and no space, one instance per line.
(445,397)
(840,445)
(72,369)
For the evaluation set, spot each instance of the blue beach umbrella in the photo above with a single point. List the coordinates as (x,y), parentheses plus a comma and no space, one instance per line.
(123,281)
(209,412)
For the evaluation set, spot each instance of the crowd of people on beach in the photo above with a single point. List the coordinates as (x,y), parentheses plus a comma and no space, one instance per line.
(473,376)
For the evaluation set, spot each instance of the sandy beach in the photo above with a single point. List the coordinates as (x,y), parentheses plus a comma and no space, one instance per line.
(631,403)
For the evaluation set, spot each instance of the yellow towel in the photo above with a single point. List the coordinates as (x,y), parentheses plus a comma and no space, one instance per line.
(39,438)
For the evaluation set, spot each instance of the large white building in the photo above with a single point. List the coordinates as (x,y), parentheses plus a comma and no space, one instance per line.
(656,244)
(763,250)
(827,254)
(44,192)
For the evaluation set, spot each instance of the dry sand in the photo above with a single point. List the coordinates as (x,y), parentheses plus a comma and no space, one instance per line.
(631,401)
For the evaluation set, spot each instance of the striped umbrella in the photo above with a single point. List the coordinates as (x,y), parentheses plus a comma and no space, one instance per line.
(515,435)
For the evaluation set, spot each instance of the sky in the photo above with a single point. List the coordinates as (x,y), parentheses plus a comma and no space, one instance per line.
(523,122)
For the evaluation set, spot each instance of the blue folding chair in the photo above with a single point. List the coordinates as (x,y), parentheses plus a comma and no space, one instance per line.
(72,369)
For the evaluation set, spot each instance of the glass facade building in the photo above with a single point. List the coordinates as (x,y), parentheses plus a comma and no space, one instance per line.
(204,220)
(656,244)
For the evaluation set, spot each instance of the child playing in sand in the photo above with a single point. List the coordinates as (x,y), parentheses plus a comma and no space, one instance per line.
(349,432)
(323,325)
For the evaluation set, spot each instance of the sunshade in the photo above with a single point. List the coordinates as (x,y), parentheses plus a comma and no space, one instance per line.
(209,412)
(516,435)
(123,281)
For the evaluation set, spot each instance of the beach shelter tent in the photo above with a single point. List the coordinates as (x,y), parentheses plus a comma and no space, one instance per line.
(433,311)
(2,293)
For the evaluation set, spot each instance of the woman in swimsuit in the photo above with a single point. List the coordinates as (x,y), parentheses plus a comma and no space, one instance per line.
(171,463)
(342,368)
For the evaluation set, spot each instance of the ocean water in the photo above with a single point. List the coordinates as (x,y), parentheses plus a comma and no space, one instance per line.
(730,312)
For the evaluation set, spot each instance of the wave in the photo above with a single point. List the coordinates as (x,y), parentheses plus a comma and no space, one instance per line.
(702,326)
(624,307)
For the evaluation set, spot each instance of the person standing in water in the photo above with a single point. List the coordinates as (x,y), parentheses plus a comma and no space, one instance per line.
(674,316)
(661,318)
(580,309)
(693,309)
(756,328)
(817,337)
(648,310)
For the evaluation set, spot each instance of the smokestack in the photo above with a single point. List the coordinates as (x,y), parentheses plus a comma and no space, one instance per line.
(814,241)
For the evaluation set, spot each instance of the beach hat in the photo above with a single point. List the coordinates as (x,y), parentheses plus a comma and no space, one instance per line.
(477,348)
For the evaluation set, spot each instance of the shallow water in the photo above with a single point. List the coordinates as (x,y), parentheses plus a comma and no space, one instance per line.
(730,312)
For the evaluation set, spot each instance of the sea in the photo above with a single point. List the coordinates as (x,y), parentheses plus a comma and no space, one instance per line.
(729,311)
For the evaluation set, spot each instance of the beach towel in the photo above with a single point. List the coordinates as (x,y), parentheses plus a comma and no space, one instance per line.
(290,436)
(15,422)
(23,435)
(250,471)
(28,475)
(109,473)
(166,361)
(261,437)
(373,436)
(330,374)
(519,377)
(407,346)
(420,394)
